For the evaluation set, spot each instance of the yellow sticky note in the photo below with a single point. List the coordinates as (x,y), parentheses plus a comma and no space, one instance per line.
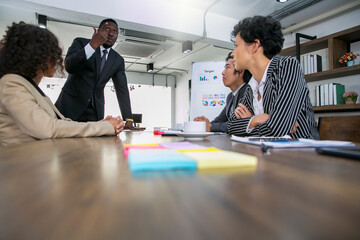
(210,149)
(221,159)
(144,145)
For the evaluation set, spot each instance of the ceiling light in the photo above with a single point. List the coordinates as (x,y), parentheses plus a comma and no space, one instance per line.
(150,67)
(187,46)
(282,1)
(42,20)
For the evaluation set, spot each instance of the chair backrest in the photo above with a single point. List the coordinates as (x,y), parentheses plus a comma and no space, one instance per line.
(137,117)
(344,128)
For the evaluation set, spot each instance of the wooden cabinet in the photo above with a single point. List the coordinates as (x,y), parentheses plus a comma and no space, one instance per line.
(337,44)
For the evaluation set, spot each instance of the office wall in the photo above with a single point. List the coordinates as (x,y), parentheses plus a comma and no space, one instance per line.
(182,98)
(9,15)
(154,101)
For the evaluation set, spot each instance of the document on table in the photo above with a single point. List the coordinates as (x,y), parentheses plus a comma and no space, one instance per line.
(301,143)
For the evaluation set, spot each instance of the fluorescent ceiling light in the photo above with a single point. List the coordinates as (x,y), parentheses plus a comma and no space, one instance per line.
(150,67)
(187,46)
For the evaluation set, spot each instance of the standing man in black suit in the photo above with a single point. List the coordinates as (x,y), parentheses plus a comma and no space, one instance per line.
(237,81)
(90,64)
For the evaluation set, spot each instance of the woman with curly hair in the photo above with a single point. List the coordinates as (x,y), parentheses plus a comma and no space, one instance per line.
(278,101)
(27,54)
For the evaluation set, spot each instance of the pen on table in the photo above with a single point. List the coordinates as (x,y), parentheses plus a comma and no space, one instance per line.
(265,149)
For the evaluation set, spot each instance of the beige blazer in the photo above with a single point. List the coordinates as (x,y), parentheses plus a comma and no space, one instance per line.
(25,115)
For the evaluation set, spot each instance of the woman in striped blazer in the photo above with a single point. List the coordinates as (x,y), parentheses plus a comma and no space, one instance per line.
(278,102)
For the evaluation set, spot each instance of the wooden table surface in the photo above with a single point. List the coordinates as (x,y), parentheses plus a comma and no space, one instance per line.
(81,188)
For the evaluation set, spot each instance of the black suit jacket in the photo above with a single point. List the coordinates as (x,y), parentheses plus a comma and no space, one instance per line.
(220,123)
(85,82)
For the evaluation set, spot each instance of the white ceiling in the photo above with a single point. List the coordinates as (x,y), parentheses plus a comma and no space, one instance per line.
(171,59)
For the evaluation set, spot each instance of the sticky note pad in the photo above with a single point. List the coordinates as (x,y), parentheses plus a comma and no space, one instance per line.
(161,159)
(220,159)
(210,149)
(182,145)
(127,147)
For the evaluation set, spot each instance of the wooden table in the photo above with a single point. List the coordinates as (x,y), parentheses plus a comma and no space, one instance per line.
(82,189)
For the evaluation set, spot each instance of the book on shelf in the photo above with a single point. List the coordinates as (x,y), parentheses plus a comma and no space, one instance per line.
(322,95)
(311,63)
(317,95)
(338,91)
(329,94)
(317,63)
(326,94)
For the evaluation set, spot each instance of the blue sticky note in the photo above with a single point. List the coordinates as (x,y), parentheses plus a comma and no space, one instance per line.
(159,159)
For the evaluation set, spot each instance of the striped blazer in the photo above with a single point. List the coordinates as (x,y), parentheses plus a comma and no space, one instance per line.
(286,99)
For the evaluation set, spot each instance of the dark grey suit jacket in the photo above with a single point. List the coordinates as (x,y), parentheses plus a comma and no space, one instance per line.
(219,124)
(86,83)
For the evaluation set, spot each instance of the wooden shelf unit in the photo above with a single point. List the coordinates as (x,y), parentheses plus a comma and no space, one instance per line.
(337,44)
(337,108)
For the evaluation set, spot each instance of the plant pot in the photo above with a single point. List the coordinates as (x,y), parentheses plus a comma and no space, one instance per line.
(350,63)
(350,101)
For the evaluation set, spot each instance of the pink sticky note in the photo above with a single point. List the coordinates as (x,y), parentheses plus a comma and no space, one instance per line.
(140,146)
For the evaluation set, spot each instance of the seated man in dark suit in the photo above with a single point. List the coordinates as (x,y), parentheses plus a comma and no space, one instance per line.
(237,81)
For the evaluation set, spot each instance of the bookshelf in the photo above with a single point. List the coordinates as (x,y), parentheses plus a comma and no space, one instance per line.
(335,73)
(337,108)
(336,45)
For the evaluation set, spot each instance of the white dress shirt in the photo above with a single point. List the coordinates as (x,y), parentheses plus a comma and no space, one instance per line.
(258,89)
(89,51)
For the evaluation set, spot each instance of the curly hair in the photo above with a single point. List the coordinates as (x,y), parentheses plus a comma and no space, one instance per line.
(266,29)
(25,49)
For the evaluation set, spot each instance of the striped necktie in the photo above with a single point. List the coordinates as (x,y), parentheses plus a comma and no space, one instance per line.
(103,60)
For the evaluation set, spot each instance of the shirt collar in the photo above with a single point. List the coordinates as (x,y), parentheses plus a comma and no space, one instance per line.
(254,84)
(263,79)
(102,48)
(237,90)
(35,85)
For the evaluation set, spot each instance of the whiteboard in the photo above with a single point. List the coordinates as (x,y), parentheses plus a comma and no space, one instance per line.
(208,93)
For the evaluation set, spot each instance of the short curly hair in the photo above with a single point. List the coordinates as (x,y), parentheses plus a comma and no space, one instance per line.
(27,48)
(266,29)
